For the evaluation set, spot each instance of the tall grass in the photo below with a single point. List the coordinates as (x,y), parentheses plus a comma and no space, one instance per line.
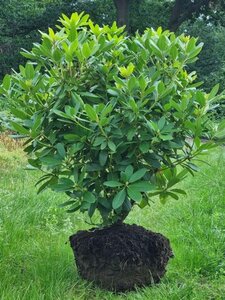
(36,261)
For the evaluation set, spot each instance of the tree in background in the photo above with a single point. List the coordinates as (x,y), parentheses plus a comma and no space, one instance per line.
(122,12)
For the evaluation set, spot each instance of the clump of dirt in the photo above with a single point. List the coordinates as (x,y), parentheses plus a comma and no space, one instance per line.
(121,257)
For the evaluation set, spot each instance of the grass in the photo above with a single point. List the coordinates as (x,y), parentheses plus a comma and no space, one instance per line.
(37,263)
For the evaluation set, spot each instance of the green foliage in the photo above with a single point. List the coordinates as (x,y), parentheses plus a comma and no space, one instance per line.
(211,64)
(148,13)
(109,116)
(19,22)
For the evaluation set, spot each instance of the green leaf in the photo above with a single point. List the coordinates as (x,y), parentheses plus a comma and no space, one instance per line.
(131,134)
(62,114)
(19,128)
(133,105)
(132,84)
(63,185)
(112,183)
(179,191)
(142,186)
(70,202)
(19,113)
(98,141)
(61,150)
(71,137)
(92,209)
(191,45)
(51,161)
(138,175)
(174,196)
(214,91)
(161,123)
(174,52)
(112,146)
(192,166)
(91,113)
(143,203)
(144,147)
(129,171)
(89,197)
(107,109)
(76,147)
(163,198)
(113,92)
(46,184)
(86,51)
(73,209)
(134,194)
(103,157)
(29,71)
(6,83)
(119,199)
(89,95)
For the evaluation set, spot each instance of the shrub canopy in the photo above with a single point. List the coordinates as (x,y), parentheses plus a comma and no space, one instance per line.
(112,120)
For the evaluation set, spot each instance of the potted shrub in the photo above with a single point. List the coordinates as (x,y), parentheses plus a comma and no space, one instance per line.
(112,121)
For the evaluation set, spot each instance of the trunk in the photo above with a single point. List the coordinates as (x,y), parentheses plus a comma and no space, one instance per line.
(176,13)
(183,11)
(122,12)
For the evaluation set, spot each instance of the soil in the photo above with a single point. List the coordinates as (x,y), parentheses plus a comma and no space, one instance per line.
(121,257)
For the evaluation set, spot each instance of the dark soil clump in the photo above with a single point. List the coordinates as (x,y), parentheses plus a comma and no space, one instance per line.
(121,256)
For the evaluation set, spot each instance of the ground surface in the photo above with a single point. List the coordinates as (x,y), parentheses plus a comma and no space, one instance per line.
(37,263)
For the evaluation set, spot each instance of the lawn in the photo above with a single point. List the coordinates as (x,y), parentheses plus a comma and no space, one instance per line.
(36,261)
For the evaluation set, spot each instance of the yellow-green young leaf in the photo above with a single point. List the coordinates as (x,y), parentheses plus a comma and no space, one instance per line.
(119,199)
(51,33)
(126,72)
(86,51)
(6,83)
(91,113)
